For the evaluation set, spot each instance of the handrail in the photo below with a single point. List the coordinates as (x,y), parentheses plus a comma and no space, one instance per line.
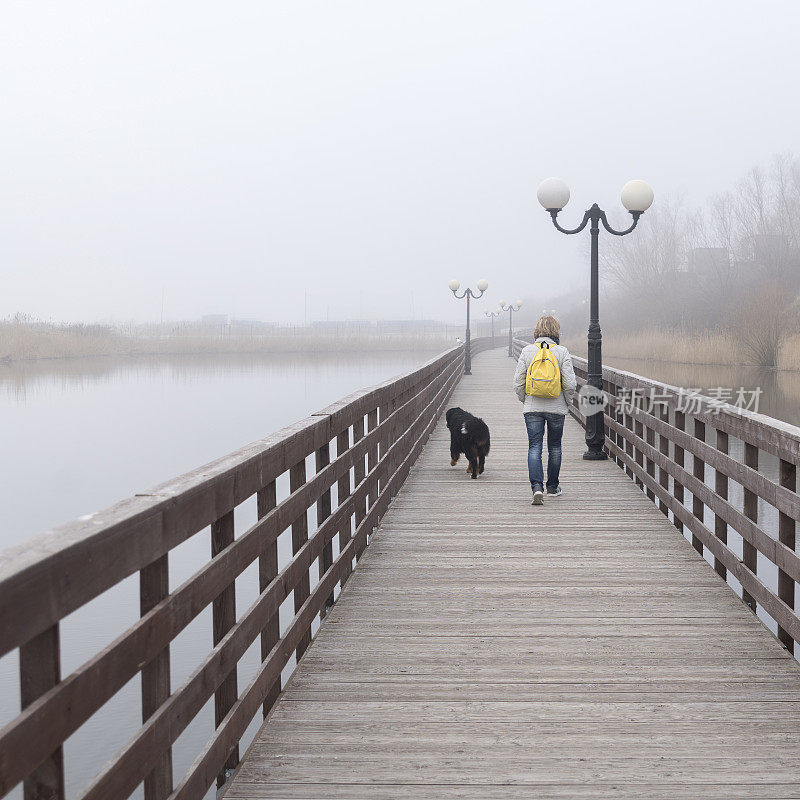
(363,446)
(650,441)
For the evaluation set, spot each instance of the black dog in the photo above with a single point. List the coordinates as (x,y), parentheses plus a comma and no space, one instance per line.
(470,436)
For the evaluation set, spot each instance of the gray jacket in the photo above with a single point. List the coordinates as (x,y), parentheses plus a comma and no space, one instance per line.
(553,405)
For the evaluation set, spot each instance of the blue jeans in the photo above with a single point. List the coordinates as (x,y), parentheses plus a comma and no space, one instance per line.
(535,422)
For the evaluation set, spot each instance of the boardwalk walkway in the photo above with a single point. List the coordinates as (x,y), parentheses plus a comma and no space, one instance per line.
(488,649)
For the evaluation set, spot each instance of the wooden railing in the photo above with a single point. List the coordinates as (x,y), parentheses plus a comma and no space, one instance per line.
(346,462)
(651,432)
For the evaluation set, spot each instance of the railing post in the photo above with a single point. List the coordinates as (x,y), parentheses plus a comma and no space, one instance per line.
(266,500)
(663,448)
(342,493)
(383,412)
(372,456)
(638,429)
(153,588)
(297,478)
(699,472)
(372,461)
(224,618)
(677,486)
(40,671)
(749,552)
(786,535)
(629,450)
(651,465)
(721,488)
(359,473)
(322,460)
(614,412)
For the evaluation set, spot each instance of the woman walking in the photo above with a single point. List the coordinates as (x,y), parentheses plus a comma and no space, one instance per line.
(545,389)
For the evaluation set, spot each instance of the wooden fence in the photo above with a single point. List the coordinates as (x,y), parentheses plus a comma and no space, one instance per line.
(654,430)
(347,462)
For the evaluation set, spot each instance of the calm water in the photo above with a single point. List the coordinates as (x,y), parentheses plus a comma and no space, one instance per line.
(77,436)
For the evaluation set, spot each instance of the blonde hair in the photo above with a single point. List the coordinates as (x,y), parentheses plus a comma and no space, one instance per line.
(547,326)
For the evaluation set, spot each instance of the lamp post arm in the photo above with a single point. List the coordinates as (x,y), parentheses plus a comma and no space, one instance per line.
(468,293)
(634,214)
(584,222)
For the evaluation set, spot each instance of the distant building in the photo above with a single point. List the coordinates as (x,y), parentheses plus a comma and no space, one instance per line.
(214,320)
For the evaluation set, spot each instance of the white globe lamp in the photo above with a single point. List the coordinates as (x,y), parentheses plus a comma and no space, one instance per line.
(553,193)
(637,196)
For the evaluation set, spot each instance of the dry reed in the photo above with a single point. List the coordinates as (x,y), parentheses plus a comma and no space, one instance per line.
(26,341)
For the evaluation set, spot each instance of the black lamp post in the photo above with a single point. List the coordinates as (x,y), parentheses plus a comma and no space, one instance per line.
(468,293)
(492,315)
(511,308)
(637,197)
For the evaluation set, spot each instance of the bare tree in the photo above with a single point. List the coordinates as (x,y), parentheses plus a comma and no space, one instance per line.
(734,265)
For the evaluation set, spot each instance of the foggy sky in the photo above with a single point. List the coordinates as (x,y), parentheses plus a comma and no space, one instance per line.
(255,157)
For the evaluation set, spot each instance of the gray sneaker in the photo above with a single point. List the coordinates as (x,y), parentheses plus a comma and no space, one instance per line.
(554,492)
(538,497)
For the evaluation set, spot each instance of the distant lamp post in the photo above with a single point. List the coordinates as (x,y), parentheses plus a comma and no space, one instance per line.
(468,293)
(637,197)
(511,308)
(492,315)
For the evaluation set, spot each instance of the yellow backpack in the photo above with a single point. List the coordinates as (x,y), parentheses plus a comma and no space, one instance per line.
(544,376)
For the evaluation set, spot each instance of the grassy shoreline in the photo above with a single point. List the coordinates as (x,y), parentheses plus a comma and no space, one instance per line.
(23,342)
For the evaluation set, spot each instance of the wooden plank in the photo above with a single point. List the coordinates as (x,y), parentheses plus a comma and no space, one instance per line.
(39,671)
(699,472)
(749,555)
(651,467)
(297,477)
(359,472)
(343,493)
(786,535)
(224,618)
(323,458)
(153,588)
(677,457)
(267,572)
(721,488)
(372,456)
(663,448)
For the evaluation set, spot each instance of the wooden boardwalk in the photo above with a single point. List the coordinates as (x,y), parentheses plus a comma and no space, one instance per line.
(485,648)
